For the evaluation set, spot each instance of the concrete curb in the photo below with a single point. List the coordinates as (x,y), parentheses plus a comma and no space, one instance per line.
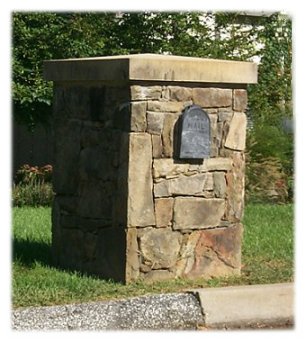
(236,306)
(246,305)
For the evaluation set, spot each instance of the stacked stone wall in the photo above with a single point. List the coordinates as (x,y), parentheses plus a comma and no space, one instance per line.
(126,207)
(184,215)
(89,211)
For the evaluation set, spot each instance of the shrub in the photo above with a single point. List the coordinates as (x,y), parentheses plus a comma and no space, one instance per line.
(266,182)
(269,165)
(32,186)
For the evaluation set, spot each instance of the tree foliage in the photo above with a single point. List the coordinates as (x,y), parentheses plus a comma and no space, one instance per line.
(42,36)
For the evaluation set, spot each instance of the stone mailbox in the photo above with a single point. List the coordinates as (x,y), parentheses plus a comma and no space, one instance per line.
(136,199)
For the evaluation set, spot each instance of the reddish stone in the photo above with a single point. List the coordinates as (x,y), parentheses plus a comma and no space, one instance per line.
(217,252)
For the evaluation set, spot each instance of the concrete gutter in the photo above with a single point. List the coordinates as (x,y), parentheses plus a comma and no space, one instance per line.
(246,305)
(238,306)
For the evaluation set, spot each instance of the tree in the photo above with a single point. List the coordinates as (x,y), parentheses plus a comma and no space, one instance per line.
(42,36)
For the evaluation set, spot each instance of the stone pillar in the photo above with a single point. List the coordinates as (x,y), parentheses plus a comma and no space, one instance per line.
(126,207)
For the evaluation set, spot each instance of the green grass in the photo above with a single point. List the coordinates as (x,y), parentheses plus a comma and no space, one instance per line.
(267,258)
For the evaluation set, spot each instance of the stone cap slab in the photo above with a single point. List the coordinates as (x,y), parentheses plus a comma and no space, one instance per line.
(151,67)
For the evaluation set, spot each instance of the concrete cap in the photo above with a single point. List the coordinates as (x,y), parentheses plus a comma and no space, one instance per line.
(151,67)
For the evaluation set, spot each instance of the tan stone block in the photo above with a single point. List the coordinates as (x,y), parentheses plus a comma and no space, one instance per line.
(140,183)
(225,115)
(163,211)
(145,92)
(161,189)
(216,164)
(240,100)
(168,134)
(157,147)
(213,125)
(219,184)
(151,67)
(138,116)
(155,122)
(192,185)
(159,247)
(165,93)
(165,106)
(219,134)
(180,93)
(212,97)
(236,136)
(132,255)
(168,167)
(197,213)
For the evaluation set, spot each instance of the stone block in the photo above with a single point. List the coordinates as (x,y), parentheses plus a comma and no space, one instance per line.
(151,67)
(236,136)
(91,136)
(213,125)
(159,247)
(216,164)
(217,253)
(71,251)
(219,134)
(111,254)
(89,246)
(219,184)
(192,185)
(132,255)
(161,189)
(225,115)
(67,152)
(73,102)
(197,213)
(94,200)
(145,92)
(168,134)
(155,122)
(96,163)
(240,100)
(157,146)
(138,116)
(178,93)
(163,211)
(168,167)
(165,93)
(68,204)
(212,97)
(165,106)
(140,184)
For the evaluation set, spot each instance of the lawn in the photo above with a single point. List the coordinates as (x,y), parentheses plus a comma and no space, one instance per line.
(267,257)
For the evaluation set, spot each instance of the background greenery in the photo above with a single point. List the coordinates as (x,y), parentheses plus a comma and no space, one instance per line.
(42,36)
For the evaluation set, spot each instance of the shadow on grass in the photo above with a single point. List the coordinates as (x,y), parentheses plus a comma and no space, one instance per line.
(28,252)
